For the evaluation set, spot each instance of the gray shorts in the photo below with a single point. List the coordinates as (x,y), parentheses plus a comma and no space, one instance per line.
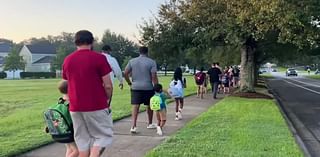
(92,128)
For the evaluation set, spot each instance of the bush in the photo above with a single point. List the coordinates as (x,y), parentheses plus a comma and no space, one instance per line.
(37,75)
(3,75)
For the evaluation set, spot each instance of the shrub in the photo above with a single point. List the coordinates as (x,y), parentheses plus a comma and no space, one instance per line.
(37,75)
(3,75)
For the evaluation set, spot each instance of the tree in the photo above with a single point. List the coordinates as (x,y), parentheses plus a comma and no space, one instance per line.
(14,62)
(121,46)
(246,25)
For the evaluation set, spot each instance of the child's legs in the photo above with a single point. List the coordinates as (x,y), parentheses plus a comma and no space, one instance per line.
(181,103)
(163,117)
(177,104)
(158,117)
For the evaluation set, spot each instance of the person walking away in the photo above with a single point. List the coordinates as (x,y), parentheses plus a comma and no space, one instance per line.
(236,74)
(214,74)
(116,70)
(200,80)
(143,71)
(158,104)
(225,82)
(89,90)
(72,150)
(177,85)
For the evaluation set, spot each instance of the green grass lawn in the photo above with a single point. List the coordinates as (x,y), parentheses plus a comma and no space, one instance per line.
(22,103)
(266,75)
(314,76)
(235,127)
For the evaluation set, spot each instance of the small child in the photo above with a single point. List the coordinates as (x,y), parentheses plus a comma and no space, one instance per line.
(162,113)
(176,91)
(225,81)
(72,150)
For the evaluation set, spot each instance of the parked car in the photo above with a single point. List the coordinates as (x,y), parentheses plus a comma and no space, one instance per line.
(291,72)
(317,72)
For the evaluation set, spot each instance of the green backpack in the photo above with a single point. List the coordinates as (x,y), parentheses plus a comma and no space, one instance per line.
(59,122)
(155,102)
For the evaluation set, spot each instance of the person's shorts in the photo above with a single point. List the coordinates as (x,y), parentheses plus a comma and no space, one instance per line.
(162,113)
(200,83)
(226,84)
(92,128)
(141,97)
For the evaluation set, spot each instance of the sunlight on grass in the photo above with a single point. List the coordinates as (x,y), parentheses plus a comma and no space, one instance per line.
(22,103)
(234,127)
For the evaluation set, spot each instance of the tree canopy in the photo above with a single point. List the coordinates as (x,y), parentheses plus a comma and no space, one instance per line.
(196,27)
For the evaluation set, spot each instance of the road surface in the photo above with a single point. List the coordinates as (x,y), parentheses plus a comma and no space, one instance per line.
(300,99)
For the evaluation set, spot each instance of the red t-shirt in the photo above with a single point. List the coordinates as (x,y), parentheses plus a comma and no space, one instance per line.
(84,70)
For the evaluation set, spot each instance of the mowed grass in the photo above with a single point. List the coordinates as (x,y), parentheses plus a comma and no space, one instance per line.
(314,76)
(22,103)
(235,127)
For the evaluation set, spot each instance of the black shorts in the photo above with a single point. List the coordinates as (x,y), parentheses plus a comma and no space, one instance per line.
(141,97)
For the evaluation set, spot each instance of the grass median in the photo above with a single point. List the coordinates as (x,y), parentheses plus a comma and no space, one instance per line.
(233,127)
(314,76)
(22,103)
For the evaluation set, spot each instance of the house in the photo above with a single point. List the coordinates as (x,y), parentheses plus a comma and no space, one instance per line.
(5,48)
(38,57)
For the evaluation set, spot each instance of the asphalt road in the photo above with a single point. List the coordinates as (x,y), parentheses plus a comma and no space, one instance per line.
(300,99)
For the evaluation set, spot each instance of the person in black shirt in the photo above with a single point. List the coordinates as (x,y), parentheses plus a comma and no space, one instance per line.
(214,76)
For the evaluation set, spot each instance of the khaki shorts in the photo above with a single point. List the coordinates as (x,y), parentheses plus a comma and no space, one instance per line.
(92,128)
(162,113)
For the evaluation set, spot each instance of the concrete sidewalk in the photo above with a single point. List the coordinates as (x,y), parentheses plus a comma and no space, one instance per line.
(136,145)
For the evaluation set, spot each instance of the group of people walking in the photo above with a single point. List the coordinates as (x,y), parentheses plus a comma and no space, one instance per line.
(87,85)
(220,79)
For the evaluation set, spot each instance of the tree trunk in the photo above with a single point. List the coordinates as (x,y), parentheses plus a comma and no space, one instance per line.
(13,74)
(247,71)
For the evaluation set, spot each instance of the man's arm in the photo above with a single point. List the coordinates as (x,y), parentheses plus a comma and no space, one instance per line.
(117,71)
(154,76)
(107,84)
(127,77)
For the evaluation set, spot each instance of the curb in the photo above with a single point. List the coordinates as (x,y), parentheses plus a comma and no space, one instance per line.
(285,114)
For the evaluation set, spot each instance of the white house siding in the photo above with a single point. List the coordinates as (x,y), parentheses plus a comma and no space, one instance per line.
(26,55)
(4,54)
(40,67)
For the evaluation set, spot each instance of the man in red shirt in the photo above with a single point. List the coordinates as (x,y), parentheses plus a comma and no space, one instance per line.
(89,90)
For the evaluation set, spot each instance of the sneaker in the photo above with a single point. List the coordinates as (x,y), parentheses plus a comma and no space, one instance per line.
(133,130)
(179,115)
(151,126)
(159,130)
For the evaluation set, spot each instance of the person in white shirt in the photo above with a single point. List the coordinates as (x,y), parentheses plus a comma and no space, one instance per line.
(116,70)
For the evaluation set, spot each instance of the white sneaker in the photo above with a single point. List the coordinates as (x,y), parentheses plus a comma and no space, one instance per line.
(159,130)
(179,115)
(151,126)
(133,130)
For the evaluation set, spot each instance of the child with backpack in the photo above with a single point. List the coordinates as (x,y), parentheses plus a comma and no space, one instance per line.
(176,91)
(158,104)
(59,122)
(226,83)
(200,79)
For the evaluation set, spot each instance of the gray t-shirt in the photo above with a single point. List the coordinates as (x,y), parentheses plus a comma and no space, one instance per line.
(141,69)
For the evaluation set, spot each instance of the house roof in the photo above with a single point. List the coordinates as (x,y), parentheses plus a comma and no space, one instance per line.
(46,59)
(42,48)
(5,47)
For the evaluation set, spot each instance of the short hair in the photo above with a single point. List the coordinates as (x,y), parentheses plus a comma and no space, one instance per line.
(202,69)
(143,50)
(83,37)
(63,87)
(106,48)
(157,88)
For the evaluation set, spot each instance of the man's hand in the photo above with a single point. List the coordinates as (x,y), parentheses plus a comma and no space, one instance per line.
(121,86)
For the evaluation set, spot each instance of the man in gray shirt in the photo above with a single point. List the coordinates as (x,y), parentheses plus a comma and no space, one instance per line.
(143,71)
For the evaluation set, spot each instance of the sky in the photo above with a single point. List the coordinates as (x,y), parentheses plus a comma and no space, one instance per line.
(23,19)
